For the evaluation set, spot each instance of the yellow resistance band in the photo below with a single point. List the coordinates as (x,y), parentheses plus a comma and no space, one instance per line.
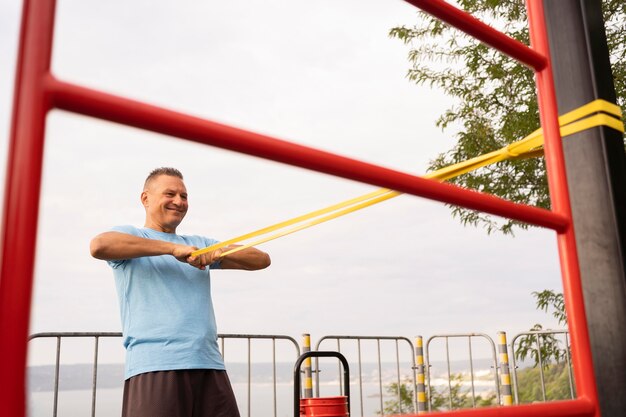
(595,113)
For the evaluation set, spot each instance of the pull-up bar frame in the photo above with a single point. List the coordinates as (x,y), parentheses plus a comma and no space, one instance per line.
(37,92)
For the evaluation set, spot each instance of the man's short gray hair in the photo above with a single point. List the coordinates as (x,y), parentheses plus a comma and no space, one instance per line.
(172,172)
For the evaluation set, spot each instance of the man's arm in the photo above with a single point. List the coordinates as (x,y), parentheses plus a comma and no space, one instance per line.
(250,259)
(113,246)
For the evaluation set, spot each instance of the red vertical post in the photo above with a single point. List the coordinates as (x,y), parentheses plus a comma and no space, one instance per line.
(23,183)
(559,194)
(21,200)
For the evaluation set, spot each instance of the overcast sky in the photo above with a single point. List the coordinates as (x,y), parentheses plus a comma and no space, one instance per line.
(323,74)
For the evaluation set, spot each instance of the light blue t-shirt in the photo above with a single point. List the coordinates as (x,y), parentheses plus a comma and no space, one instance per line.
(166,309)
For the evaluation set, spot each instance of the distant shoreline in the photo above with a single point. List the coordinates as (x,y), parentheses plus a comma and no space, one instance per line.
(111,375)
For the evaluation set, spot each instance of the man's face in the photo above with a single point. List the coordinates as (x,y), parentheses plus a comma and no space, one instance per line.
(165,201)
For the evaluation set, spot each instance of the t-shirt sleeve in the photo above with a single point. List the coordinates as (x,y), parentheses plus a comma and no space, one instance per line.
(130,230)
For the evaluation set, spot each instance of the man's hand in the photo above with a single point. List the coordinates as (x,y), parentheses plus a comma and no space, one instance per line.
(183,254)
(249,259)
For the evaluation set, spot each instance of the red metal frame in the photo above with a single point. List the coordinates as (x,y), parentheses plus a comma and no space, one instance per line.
(37,91)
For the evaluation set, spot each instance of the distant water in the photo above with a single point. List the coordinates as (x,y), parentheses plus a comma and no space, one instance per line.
(77,403)
(75,393)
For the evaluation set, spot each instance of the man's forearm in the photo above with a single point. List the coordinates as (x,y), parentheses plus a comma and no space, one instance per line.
(112,246)
(249,259)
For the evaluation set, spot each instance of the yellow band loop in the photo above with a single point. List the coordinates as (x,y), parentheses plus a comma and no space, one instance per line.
(290,222)
(593,114)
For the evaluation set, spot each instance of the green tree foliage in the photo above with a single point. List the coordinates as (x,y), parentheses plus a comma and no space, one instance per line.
(495,99)
(556,381)
(548,300)
(457,396)
(556,369)
(551,349)
(453,398)
(405,403)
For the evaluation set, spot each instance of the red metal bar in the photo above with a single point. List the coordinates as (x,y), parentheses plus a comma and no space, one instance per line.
(572,408)
(21,201)
(559,194)
(483,32)
(133,113)
(35,88)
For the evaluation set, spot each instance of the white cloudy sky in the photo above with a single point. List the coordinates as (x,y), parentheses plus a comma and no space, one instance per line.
(321,73)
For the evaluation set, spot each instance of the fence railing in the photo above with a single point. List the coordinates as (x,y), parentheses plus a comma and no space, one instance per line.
(221,337)
(469,337)
(536,337)
(96,336)
(344,344)
(378,339)
(249,338)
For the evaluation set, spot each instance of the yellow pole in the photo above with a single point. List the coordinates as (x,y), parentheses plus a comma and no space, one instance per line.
(421,386)
(308,380)
(505,376)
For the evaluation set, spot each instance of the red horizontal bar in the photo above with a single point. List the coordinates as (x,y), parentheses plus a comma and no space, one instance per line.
(483,32)
(145,116)
(580,407)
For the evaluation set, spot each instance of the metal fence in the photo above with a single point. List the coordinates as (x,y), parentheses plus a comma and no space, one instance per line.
(64,335)
(354,348)
(469,337)
(535,338)
(396,340)
(96,336)
(249,338)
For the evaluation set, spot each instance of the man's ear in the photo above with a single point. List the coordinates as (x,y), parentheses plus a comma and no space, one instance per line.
(144,198)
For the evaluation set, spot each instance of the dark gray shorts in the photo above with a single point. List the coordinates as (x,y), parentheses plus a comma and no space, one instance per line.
(185,393)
